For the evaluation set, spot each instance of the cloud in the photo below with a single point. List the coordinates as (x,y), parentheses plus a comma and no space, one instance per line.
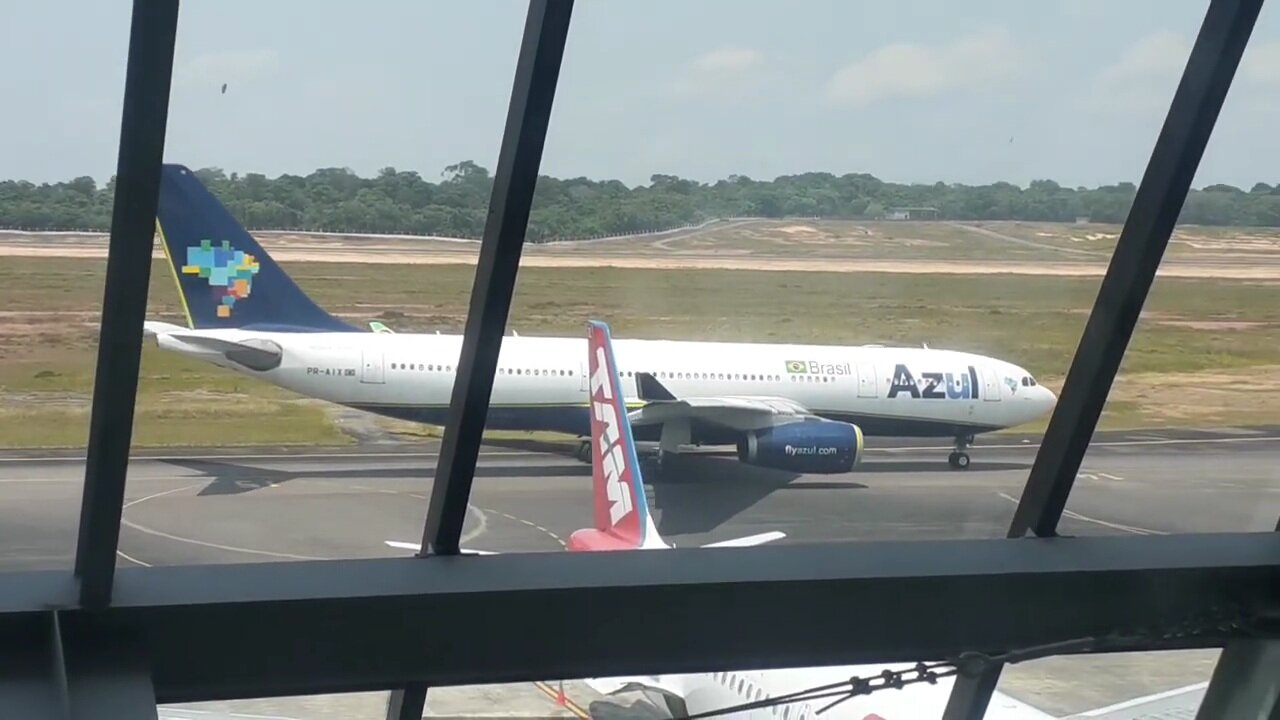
(1159,56)
(727,60)
(1260,66)
(225,66)
(974,62)
(727,71)
(1146,75)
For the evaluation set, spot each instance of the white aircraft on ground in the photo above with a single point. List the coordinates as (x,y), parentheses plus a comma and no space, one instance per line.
(623,522)
(800,408)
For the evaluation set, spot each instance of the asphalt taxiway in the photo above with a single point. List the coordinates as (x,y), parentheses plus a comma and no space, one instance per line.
(236,507)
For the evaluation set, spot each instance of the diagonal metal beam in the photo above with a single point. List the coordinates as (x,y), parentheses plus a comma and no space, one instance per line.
(1156,206)
(408,702)
(142,130)
(1210,68)
(537,70)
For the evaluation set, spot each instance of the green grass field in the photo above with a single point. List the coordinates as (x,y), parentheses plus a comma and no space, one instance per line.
(1199,344)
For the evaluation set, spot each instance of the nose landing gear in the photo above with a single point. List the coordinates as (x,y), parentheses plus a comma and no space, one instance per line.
(959,458)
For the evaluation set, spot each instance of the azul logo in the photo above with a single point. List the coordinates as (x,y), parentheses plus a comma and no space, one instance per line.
(813,367)
(611,454)
(793,451)
(229,272)
(935,385)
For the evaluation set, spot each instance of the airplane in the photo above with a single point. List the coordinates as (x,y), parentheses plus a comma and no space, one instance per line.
(622,522)
(790,407)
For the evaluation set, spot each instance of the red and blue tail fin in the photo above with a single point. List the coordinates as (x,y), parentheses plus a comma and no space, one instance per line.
(622,520)
(224,277)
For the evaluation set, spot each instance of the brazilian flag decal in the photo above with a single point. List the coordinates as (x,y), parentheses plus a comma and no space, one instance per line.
(797,366)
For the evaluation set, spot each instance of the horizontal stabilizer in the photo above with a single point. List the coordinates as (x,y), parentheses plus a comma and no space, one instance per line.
(417,548)
(152,328)
(253,353)
(749,540)
(650,389)
(632,683)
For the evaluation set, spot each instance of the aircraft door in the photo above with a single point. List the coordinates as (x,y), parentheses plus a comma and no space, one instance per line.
(990,385)
(372,369)
(582,373)
(868,384)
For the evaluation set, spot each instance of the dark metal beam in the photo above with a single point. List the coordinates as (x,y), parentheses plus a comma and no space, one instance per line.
(365,625)
(124,305)
(537,70)
(46,676)
(1245,682)
(408,702)
(1156,206)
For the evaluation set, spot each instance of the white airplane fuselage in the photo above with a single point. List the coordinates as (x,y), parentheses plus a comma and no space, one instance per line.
(542,381)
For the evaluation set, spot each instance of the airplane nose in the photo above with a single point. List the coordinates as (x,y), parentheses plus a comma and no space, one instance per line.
(1047,398)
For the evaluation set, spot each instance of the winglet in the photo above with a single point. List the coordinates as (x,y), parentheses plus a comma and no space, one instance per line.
(651,389)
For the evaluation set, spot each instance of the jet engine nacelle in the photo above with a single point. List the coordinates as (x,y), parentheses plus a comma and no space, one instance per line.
(809,446)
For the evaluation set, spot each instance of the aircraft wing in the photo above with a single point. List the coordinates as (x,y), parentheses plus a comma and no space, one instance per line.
(738,412)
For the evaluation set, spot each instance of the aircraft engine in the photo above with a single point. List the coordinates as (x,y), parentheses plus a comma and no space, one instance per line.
(809,446)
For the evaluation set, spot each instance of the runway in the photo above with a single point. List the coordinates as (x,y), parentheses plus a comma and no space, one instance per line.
(245,508)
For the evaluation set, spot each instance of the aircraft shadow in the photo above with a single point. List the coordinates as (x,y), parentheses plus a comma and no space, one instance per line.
(229,478)
(699,494)
(548,447)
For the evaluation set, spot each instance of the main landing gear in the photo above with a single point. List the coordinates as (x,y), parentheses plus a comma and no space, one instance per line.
(959,458)
(652,465)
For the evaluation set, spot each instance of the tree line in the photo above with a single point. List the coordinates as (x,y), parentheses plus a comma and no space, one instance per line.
(398,201)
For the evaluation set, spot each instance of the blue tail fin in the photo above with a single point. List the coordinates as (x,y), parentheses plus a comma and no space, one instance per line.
(225,278)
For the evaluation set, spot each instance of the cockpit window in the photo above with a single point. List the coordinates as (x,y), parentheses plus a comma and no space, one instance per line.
(1028,381)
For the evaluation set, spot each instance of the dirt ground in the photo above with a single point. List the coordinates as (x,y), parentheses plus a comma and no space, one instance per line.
(401,253)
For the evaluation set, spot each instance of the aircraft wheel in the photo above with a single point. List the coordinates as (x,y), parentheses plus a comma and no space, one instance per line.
(583,453)
(958,461)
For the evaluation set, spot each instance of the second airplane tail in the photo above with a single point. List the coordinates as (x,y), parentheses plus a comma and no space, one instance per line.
(224,277)
(622,520)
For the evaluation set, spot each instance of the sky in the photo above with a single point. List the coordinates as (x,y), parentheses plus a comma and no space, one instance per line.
(910,91)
